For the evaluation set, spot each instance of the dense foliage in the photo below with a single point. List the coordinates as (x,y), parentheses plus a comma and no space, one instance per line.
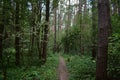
(72,40)
(114,57)
(34,32)
(114,50)
(79,68)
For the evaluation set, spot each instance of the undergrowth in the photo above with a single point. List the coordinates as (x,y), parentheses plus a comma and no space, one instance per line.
(79,68)
(44,72)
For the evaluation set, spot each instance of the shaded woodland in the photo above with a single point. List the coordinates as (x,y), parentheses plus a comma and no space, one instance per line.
(37,35)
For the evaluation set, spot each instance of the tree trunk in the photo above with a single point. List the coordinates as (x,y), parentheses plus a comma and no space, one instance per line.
(17,37)
(59,28)
(85,7)
(38,29)
(42,35)
(119,8)
(103,33)
(44,55)
(1,39)
(1,30)
(114,7)
(66,48)
(94,25)
(80,25)
(33,29)
(54,49)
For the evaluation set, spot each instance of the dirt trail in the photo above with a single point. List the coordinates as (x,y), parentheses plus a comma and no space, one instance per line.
(62,69)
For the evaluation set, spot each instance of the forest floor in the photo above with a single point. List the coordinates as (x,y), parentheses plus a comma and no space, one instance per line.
(62,69)
(73,66)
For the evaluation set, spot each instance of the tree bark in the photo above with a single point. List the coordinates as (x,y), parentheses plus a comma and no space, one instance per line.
(33,29)
(44,55)
(66,48)
(103,33)
(94,25)
(119,8)
(114,7)
(1,31)
(85,7)
(54,50)
(1,40)
(42,37)
(38,29)
(17,37)
(80,25)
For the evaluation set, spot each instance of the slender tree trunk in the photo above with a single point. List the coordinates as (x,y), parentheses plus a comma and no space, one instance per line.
(1,30)
(17,37)
(42,35)
(94,25)
(59,28)
(85,7)
(33,29)
(103,33)
(83,24)
(114,7)
(1,40)
(2,37)
(54,49)
(119,8)
(45,41)
(69,16)
(69,25)
(66,49)
(38,29)
(80,19)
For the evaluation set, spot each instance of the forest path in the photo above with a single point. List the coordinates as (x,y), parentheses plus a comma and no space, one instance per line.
(62,69)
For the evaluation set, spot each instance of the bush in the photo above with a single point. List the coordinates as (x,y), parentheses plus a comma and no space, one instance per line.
(44,72)
(81,68)
(114,58)
(71,41)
